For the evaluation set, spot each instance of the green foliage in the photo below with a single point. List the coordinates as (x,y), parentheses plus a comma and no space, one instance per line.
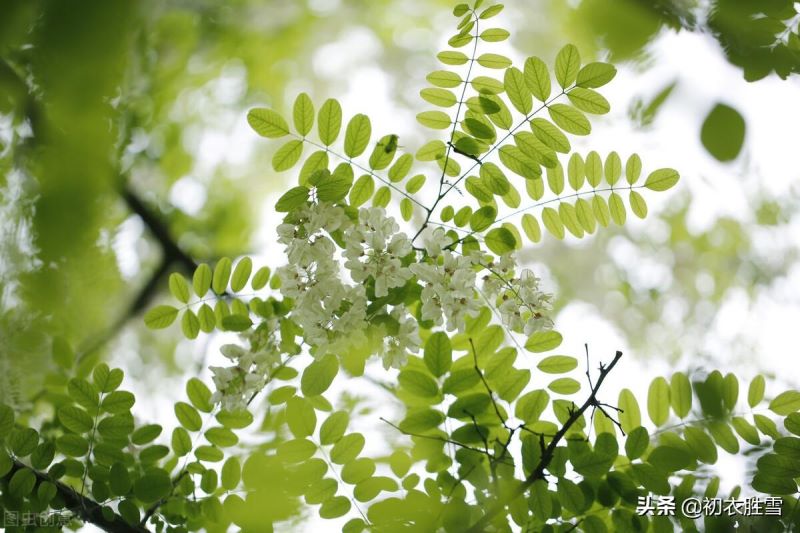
(481,445)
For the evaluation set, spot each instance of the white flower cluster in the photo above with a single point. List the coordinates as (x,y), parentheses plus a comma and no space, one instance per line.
(375,248)
(397,346)
(332,313)
(449,291)
(523,307)
(238,383)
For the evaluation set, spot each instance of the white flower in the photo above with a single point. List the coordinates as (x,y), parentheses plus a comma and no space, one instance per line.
(434,239)
(397,346)
(523,307)
(251,366)
(449,290)
(374,248)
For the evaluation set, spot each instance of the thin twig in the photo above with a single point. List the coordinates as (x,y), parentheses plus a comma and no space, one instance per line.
(547,454)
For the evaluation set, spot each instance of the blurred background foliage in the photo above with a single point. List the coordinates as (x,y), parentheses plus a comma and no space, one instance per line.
(124,155)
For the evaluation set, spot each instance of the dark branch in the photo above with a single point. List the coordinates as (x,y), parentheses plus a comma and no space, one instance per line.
(87,509)
(547,454)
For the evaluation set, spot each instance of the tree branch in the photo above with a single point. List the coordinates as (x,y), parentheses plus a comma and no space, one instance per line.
(87,509)
(547,454)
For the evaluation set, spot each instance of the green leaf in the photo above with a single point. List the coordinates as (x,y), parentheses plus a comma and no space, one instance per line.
(746,430)
(118,402)
(589,101)
(236,322)
(421,421)
(335,507)
(570,495)
(437,120)
(517,90)
(552,222)
(439,97)
(669,459)
(209,454)
(500,241)
(300,417)
(287,155)
(415,184)
(531,227)
(482,218)
(400,168)
(41,457)
(238,419)
(261,278)
(557,364)
(201,281)
(231,473)
(332,430)
(319,375)
(107,379)
(637,442)
(438,353)
(329,121)
(723,132)
(493,35)
(188,416)
(221,437)
(633,169)
(774,485)
(543,341)
(154,485)
(267,123)
(160,317)
(116,427)
(638,205)
(493,61)
(569,119)
(585,215)
(680,394)
(222,273)
(701,444)
(178,287)
(418,383)
(594,75)
(72,445)
(241,274)
(84,393)
(570,219)
(119,480)
(491,11)
(384,152)
(550,135)
(724,437)
(358,470)
(334,188)
(531,405)
(362,190)
(452,57)
(564,386)
(658,401)
(756,391)
(199,394)
(190,324)
(21,483)
(145,434)
(785,403)
(568,61)
(347,448)
(537,78)
(181,442)
(303,114)
(630,415)
(444,78)
(662,179)
(486,85)
(292,199)
(617,209)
